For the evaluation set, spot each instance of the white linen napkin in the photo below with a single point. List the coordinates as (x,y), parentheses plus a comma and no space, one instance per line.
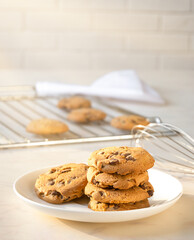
(120,85)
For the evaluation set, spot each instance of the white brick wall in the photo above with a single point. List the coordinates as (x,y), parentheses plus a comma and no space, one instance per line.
(10,21)
(97,34)
(157,42)
(160,5)
(57,60)
(27,4)
(10,60)
(178,23)
(27,40)
(93,4)
(185,62)
(91,41)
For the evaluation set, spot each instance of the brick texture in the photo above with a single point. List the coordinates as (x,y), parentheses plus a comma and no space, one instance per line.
(179,23)
(10,21)
(97,34)
(159,5)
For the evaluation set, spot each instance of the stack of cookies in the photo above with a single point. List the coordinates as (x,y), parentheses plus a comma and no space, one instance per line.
(118,179)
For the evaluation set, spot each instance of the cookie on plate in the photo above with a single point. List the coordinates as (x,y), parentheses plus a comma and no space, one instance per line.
(98,206)
(121,160)
(106,180)
(74,102)
(128,122)
(84,115)
(134,194)
(62,184)
(46,126)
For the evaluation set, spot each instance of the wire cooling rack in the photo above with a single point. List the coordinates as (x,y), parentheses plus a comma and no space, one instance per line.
(19,105)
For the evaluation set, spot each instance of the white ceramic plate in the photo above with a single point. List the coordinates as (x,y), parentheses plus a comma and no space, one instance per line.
(167,191)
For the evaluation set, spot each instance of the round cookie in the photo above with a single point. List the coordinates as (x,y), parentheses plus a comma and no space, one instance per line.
(62,184)
(85,115)
(74,103)
(128,122)
(121,160)
(98,206)
(134,194)
(106,180)
(46,126)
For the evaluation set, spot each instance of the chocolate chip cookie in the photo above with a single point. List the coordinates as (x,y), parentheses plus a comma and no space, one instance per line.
(85,115)
(106,180)
(46,126)
(74,102)
(62,184)
(134,194)
(128,122)
(121,160)
(98,206)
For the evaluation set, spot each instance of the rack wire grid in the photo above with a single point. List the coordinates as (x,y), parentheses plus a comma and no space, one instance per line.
(19,105)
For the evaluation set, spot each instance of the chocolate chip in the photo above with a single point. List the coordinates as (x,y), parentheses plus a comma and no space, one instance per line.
(129,157)
(52,170)
(143,186)
(69,181)
(114,161)
(116,207)
(150,192)
(101,193)
(50,182)
(61,182)
(66,198)
(113,154)
(102,166)
(101,153)
(134,122)
(41,194)
(94,181)
(66,170)
(126,154)
(55,193)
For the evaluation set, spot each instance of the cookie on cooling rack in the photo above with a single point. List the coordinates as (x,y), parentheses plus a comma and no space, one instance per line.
(74,103)
(128,122)
(84,115)
(134,194)
(98,206)
(121,160)
(106,180)
(62,184)
(45,126)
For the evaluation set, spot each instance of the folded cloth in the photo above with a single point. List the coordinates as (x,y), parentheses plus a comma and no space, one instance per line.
(121,85)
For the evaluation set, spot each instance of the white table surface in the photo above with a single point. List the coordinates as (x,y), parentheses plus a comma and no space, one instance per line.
(19,221)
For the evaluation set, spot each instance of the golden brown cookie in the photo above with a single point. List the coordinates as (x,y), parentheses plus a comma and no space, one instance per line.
(74,103)
(128,122)
(134,194)
(106,180)
(62,184)
(85,115)
(46,126)
(121,160)
(98,206)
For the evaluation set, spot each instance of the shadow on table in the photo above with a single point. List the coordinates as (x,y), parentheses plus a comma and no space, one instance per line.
(175,221)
